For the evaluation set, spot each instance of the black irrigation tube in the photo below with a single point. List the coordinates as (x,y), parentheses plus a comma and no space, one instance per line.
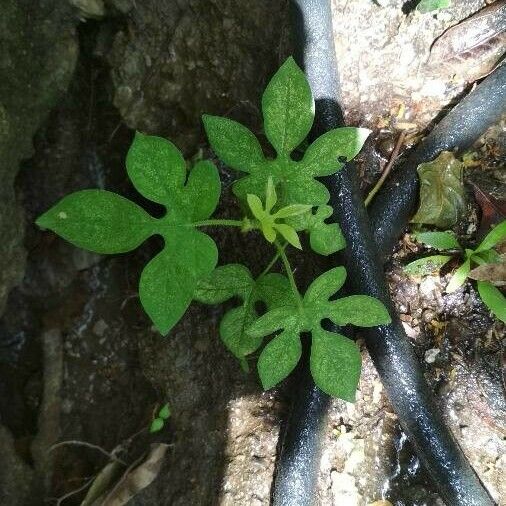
(298,463)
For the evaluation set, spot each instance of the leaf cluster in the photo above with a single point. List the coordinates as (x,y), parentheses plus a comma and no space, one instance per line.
(280,197)
(484,254)
(335,359)
(159,421)
(288,113)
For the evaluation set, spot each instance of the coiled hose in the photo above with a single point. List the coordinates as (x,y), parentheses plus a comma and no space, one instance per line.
(298,463)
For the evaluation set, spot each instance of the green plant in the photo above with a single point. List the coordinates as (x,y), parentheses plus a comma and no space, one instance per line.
(158,422)
(483,255)
(280,196)
(432,5)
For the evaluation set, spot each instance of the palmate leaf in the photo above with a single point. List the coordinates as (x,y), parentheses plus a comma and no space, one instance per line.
(288,112)
(104,222)
(325,238)
(235,280)
(335,360)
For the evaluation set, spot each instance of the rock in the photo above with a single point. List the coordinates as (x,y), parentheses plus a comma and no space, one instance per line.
(344,489)
(89,8)
(176,60)
(38,52)
(431,355)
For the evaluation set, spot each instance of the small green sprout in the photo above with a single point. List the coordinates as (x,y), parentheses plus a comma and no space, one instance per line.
(163,415)
(483,254)
(268,221)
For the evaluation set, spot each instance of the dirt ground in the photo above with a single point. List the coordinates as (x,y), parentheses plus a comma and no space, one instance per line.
(80,361)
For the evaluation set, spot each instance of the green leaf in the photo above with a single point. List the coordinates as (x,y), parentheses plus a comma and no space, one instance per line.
(224,283)
(164,412)
(335,364)
(289,234)
(426,265)
(170,279)
(291,210)
(156,167)
(232,331)
(280,318)
(438,240)
(267,221)
(324,238)
(279,358)
(359,310)
(485,257)
(107,223)
(322,157)
(274,289)
(495,236)
(292,320)
(232,280)
(99,221)
(493,299)
(255,204)
(270,196)
(325,285)
(426,6)
(233,143)
(442,197)
(199,198)
(459,277)
(288,108)
(156,425)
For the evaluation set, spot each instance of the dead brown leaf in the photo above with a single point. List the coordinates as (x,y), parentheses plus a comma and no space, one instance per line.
(493,272)
(492,210)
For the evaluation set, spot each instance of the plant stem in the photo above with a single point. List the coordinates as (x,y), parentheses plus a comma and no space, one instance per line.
(289,273)
(273,261)
(220,223)
(387,169)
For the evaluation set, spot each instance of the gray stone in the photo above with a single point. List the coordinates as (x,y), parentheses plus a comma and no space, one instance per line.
(38,52)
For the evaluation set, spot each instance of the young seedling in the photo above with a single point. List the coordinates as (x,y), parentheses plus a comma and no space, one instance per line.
(483,255)
(282,198)
(159,421)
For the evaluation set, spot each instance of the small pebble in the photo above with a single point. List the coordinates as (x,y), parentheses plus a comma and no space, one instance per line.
(431,355)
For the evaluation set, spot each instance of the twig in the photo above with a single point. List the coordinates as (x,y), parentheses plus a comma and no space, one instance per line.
(387,168)
(49,412)
(59,500)
(88,445)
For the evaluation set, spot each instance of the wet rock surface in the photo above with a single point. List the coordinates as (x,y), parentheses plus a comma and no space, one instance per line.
(156,66)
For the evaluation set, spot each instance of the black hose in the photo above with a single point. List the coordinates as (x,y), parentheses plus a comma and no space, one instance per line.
(395,203)
(299,459)
(388,345)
